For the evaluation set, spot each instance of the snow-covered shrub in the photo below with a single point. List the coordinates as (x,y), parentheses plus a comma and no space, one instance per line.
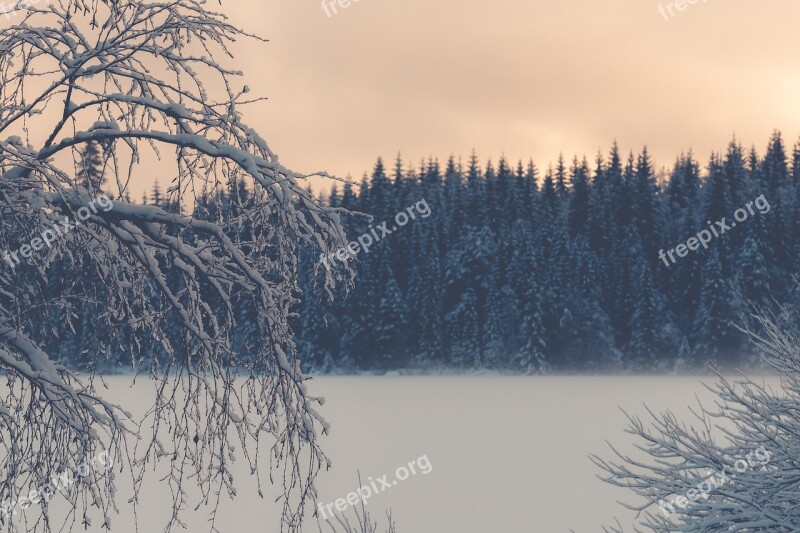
(748,416)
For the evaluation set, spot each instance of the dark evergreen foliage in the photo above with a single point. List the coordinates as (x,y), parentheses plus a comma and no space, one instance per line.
(514,274)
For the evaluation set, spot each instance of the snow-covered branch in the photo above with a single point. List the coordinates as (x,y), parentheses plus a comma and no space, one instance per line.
(736,467)
(141,79)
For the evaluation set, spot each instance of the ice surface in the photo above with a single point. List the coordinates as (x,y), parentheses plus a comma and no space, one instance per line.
(508,454)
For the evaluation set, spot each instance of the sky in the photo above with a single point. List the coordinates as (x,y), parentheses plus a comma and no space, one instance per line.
(519,78)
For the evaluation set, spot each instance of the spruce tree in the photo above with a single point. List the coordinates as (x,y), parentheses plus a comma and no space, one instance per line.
(716,337)
(90,167)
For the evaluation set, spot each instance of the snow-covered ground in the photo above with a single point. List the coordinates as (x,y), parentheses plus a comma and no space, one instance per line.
(507,453)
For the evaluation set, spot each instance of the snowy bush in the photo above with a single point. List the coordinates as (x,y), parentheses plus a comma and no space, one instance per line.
(138,81)
(748,416)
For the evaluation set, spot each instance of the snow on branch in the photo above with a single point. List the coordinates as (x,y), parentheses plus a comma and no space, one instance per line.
(143,79)
(736,467)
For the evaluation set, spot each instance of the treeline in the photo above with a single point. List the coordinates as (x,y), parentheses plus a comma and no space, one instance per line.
(526,271)
(514,269)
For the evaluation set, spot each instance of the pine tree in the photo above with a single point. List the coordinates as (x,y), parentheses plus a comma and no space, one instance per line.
(578,213)
(796,163)
(90,167)
(503,199)
(775,167)
(453,201)
(382,203)
(717,206)
(531,357)
(716,338)
(753,271)
(491,198)
(531,191)
(588,329)
(463,328)
(775,180)
(600,223)
(549,196)
(735,173)
(653,336)
(477,209)
(156,197)
(646,214)
(562,184)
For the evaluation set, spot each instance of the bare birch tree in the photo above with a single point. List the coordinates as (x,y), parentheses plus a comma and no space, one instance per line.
(147,79)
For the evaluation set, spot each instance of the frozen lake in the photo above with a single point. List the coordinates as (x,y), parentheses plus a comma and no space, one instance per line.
(505,453)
